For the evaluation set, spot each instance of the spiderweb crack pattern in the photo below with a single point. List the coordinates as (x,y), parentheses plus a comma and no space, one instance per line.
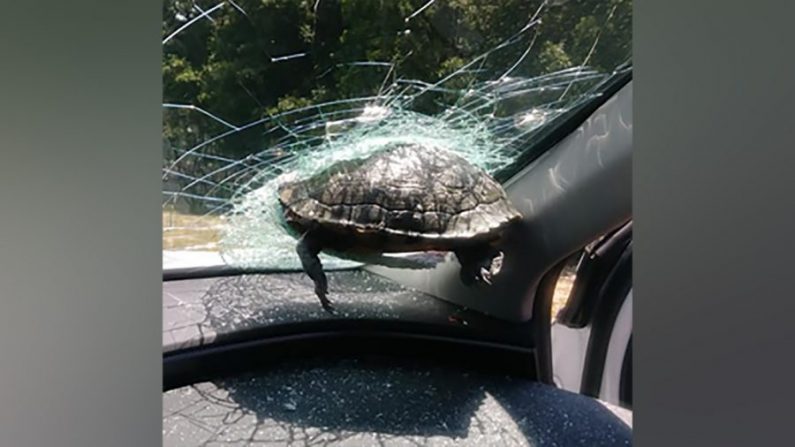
(484,113)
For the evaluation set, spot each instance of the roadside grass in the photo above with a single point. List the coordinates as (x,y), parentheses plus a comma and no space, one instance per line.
(190,232)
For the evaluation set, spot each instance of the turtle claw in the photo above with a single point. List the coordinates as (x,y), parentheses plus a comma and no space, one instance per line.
(496,264)
(479,265)
(321,293)
(329,308)
(485,275)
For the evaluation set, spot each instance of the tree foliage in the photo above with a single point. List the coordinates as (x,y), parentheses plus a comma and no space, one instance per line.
(281,55)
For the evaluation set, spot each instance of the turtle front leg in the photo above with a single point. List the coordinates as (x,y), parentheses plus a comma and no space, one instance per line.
(308,249)
(479,264)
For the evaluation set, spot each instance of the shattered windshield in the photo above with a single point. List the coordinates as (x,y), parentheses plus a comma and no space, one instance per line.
(258,91)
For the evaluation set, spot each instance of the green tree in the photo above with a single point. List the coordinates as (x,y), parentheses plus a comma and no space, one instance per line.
(282,55)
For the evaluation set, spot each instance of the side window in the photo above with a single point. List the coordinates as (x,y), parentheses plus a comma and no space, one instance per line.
(565,283)
(567,276)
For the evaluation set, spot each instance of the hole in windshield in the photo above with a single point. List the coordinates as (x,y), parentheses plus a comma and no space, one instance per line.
(259,91)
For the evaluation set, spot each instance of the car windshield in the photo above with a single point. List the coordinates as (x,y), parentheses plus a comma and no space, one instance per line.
(258,91)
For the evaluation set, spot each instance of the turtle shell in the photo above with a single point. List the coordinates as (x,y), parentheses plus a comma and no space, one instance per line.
(405,197)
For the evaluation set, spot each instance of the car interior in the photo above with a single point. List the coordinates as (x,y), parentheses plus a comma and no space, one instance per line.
(414,357)
(535,95)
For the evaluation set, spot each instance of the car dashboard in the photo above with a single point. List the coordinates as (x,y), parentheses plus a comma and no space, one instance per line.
(252,358)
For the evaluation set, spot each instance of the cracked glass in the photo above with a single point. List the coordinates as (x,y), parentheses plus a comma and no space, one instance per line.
(254,91)
(258,92)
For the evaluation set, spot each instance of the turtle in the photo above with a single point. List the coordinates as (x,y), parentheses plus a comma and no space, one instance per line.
(404,197)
